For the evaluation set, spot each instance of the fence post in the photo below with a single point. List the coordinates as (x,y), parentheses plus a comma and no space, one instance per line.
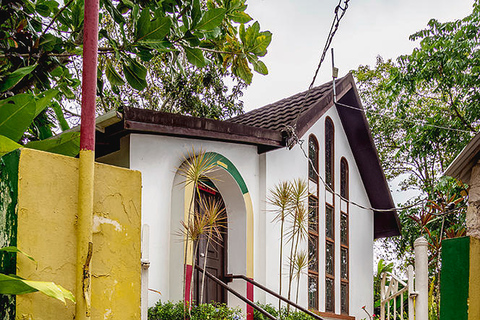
(411,290)
(382,296)
(421,279)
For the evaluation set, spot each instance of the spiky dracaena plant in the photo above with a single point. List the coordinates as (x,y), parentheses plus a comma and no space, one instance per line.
(195,168)
(193,229)
(300,264)
(214,213)
(298,230)
(280,198)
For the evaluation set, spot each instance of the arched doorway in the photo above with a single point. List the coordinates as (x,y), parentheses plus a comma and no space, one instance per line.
(212,249)
(233,189)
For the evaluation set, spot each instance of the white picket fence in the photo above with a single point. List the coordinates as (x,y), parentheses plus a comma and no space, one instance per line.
(415,289)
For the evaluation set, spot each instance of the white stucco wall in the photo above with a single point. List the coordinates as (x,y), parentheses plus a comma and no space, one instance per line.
(158,158)
(286,164)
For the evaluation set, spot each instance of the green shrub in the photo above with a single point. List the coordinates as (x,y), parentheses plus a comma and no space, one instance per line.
(292,315)
(174,311)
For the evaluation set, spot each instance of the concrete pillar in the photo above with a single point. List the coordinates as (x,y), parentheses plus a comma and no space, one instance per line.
(473,211)
(421,279)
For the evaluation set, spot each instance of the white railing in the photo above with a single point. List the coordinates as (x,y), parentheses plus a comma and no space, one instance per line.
(398,290)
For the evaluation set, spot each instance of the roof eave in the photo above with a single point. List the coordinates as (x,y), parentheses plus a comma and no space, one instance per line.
(461,167)
(155,122)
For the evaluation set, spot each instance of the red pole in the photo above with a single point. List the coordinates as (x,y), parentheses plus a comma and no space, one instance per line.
(89,76)
(86,163)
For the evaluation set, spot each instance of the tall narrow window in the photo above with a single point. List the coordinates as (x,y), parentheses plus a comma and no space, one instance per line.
(344,178)
(313,252)
(344,266)
(329,218)
(329,259)
(329,152)
(313,158)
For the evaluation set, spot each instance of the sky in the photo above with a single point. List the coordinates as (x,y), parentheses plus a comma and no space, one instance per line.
(368,29)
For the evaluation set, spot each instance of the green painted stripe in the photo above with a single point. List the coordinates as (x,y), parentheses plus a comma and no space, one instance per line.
(223,162)
(9,165)
(454,281)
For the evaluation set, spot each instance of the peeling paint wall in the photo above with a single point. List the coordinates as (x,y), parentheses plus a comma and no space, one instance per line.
(47,209)
(8,224)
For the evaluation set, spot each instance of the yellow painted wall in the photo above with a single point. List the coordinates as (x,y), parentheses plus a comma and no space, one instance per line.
(474,283)
(47,208)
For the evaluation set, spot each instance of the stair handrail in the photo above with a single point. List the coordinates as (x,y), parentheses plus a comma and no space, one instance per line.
(241,276)
(235,293)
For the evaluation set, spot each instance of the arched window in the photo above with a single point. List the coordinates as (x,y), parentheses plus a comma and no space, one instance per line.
(329,218)
(329,152)
(344,178)
(313,284)
(313,158)
(344,266)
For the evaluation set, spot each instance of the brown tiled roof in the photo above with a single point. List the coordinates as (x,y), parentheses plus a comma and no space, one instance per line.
(279,114)
(261,127)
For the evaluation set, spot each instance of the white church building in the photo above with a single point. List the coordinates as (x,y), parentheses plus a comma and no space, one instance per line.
(293,138)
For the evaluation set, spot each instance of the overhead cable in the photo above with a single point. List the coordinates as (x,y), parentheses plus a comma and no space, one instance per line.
(340,10)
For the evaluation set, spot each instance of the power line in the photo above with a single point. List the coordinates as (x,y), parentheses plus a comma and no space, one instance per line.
(422,122)
(339,13)
(419,202)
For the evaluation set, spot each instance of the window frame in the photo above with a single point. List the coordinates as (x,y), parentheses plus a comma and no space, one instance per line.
(330,145)
(345,185)
(313,236)
(313,139)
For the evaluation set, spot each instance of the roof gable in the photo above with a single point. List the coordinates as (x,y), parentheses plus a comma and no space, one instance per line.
(266,128)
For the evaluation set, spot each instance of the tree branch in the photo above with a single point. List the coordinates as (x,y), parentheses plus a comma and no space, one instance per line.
(459,116)
(55,17)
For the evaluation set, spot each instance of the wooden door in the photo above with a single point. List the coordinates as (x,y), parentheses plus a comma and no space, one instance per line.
(215,255)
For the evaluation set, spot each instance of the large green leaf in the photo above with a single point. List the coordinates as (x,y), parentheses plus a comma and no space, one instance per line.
(60,116)
(196,12)
(251,35)
(16,114)
(258,65)
(14,285)
(114,13)
(7,145)
(135,74)
(261,43)
(67,144)
(155,29)
(195,56)
(15,77)
(211,19)
(45,100)
(113,77)
(242,70)
(240,17)
(16,250)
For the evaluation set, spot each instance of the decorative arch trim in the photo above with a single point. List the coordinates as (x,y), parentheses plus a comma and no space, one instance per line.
(224,163)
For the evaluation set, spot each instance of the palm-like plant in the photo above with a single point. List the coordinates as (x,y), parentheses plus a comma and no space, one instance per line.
(214,214)
(289,199)
(281,199)
(300,263)
(195,168)
(299,225)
